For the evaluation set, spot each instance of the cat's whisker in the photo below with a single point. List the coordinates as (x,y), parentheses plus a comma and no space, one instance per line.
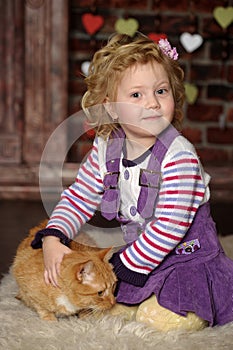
(95,311)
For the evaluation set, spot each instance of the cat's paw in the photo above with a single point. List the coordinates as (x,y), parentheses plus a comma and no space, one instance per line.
(47,316)
(128,312)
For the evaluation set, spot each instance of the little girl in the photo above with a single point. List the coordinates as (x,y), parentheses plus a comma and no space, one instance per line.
(145,174)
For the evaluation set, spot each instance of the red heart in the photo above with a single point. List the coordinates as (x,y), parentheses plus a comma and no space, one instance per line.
(92,23)
(156,37)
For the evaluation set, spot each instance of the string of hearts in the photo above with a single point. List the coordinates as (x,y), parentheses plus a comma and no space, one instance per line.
(93,23)
(191,42)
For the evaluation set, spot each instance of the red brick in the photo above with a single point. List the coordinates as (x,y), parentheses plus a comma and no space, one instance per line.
(231,50)
(204,112)
(211,29)
(220,49)
(230,115)
(194,135)
(186,6)
(218,136)
(205,5)
(216,50)
(230,74)
(176,24)
(213,156)
(181,6)
(109,23)
(206,71)
(220,92)
(83,45)
(136,4)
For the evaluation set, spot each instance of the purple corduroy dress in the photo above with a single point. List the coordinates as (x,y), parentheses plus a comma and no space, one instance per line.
(197,277)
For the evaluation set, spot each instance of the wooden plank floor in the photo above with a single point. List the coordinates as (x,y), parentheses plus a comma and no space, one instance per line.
(18,216)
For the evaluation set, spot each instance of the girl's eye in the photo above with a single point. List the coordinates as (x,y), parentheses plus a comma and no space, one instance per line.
(161,91)
(136,95)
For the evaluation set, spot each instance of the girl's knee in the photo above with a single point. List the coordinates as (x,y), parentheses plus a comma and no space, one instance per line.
(151,313)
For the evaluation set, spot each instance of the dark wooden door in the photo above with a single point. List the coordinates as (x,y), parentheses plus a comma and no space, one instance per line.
(33,84)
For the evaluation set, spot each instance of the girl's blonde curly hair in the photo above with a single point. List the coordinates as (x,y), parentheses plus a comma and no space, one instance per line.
(107,68)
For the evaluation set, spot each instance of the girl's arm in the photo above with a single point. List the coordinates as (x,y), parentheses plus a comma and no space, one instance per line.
(78,203)
(182,191)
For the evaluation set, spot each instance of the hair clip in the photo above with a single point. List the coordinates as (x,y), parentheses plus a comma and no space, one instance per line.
(166,48)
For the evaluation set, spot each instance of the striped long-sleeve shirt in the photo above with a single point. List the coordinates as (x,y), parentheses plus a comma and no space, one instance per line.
(184,186)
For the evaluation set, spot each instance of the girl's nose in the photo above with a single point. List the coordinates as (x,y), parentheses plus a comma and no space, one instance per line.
(152,103)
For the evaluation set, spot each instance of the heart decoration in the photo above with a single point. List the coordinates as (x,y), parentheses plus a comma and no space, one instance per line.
(85,67)
(92,23)
(191,42)
(191,92)
(126,26)
(157,36)
(223,15)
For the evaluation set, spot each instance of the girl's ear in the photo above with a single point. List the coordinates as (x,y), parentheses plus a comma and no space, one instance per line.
(109,106)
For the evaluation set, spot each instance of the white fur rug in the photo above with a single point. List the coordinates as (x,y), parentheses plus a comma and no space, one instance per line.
(21,329)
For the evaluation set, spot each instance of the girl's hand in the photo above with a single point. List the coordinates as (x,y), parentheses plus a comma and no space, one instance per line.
(54,252)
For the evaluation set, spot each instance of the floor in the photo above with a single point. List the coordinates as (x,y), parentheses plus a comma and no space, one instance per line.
(17,217)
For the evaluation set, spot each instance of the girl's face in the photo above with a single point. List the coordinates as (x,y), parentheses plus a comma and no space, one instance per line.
(145,103)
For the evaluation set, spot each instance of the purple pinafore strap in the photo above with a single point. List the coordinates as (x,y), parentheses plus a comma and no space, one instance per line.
(149,181)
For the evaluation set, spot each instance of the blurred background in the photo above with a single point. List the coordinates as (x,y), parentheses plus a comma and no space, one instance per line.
(45,50)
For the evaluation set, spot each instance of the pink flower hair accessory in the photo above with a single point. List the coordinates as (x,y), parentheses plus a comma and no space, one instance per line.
(166,48)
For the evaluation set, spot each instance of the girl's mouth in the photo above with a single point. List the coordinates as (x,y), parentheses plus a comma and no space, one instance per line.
(152,117)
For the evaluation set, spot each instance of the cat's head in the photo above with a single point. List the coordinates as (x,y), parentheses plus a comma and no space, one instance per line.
(90,279)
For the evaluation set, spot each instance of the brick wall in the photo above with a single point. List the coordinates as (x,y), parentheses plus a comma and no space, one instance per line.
(208,121)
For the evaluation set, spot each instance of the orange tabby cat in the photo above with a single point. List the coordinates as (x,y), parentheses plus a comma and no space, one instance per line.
(86,282)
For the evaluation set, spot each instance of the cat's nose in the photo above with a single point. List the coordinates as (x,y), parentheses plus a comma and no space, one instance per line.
(113,301)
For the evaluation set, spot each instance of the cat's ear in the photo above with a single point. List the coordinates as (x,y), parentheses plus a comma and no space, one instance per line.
(84,270)
(105,254)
